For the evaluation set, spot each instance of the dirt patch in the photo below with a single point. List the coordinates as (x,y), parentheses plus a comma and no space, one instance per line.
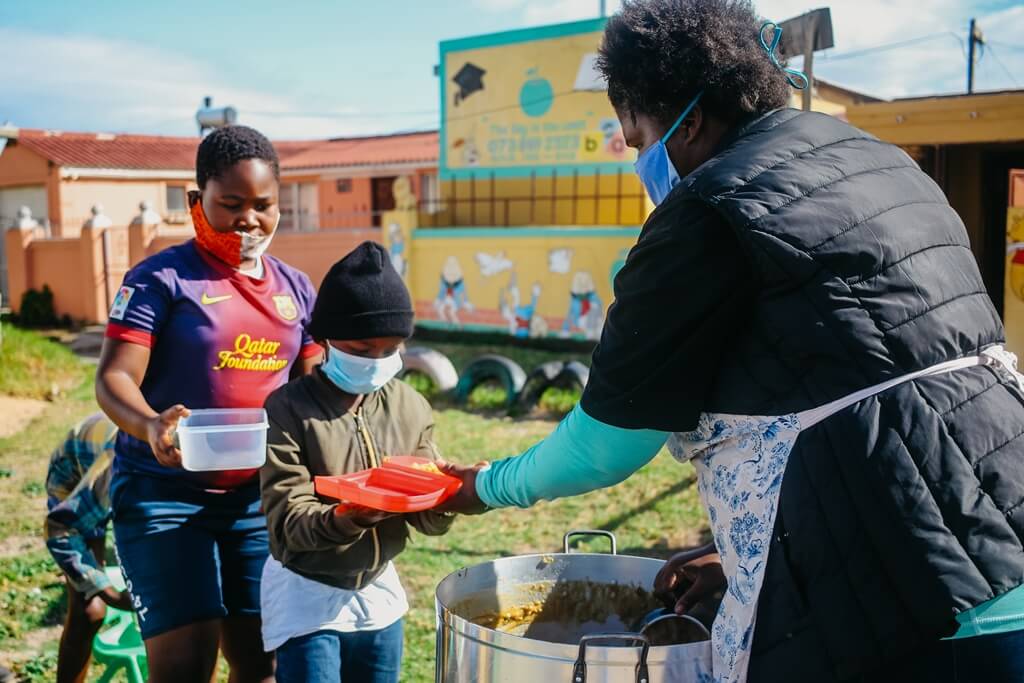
(31,645)
(13,546)
(16,413)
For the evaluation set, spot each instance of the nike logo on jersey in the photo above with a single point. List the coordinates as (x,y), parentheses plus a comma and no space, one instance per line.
(208,300)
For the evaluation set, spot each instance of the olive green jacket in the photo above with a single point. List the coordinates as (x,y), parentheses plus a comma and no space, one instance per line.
(310,434)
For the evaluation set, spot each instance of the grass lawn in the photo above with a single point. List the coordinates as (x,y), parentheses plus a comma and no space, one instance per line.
(31,365)
(654,513)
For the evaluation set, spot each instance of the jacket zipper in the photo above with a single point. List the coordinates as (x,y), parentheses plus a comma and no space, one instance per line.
(374,461)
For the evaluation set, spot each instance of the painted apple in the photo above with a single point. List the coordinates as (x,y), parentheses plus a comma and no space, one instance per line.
(536,95)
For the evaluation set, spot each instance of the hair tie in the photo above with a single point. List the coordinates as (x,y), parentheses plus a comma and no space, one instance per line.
(795,77)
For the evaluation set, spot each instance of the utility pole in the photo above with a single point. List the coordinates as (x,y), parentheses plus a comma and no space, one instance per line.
(805,35)
(973,39)
(604,12)
(812,30)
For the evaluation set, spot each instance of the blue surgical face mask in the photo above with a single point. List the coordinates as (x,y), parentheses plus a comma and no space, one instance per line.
(359,375)
(655,168)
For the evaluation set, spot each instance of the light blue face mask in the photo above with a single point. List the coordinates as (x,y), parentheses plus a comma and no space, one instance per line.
(359,375)
(655,168)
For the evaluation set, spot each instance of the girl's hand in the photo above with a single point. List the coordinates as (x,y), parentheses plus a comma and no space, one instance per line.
(361,516)
(159,434)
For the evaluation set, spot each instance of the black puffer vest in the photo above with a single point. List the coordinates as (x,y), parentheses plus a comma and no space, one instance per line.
(907,508)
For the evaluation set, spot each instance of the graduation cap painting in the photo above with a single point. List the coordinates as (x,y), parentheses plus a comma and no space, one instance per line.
(469,79)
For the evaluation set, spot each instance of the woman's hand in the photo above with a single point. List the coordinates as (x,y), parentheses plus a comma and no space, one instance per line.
(689,577)
(466,501)
(159,434)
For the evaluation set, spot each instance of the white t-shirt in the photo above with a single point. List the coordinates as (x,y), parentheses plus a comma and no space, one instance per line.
(294,606)
(256,272)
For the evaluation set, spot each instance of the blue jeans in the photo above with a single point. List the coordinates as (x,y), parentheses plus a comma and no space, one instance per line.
(332,657)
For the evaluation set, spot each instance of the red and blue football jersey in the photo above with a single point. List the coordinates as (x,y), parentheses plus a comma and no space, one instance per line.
(217,339)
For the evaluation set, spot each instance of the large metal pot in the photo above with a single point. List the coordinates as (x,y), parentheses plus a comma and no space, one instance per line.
(470,653)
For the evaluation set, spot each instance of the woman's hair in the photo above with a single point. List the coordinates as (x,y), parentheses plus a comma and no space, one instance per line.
(658,54)
(225,147)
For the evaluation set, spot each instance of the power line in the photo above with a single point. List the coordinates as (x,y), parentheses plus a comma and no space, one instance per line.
(518,105)
(340,114)
(888,46)
(1002,66)
(423,112)
(1006,46)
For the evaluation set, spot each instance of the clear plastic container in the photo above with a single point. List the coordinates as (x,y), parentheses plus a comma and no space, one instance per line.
(223,439)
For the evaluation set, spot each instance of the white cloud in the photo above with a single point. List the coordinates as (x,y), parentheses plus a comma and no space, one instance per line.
(934,66)
(938,65)
(87,83)
(126,86)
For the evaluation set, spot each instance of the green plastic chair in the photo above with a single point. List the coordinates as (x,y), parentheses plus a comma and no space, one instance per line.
(118,646)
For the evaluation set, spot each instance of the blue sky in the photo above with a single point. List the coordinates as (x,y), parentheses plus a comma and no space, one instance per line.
(311,69)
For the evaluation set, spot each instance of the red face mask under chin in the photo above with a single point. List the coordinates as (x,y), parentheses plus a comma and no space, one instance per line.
(226,246)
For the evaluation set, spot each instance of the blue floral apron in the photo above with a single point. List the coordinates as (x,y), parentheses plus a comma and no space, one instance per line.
(740,460)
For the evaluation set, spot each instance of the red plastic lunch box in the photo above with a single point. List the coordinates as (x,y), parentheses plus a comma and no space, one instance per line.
(396,486)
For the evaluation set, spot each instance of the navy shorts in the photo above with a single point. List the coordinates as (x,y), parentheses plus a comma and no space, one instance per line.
(188,555)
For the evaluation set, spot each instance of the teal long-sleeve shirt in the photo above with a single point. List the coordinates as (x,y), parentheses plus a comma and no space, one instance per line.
(581,455)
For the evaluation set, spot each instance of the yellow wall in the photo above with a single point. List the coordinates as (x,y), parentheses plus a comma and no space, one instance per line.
(605,199)
(499,270)
(535,140)
(944,120)
(528,108)
(1013,301)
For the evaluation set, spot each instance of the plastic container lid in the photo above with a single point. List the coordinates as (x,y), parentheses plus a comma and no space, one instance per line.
(223,439)
(398,485)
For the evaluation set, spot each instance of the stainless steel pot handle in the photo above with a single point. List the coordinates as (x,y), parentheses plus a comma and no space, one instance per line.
(579,669)
(590,532)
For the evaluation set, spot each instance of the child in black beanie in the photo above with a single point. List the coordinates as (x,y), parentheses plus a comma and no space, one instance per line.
(331,599)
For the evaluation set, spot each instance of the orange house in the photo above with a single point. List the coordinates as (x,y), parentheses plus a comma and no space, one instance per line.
(339,182)
(347,182)
(60,177)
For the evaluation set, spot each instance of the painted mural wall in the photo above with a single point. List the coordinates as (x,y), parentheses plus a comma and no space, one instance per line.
(1013,300)
(528,136)
(528,282)
(528,99)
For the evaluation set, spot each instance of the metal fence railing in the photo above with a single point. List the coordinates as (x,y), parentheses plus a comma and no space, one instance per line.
(305,221)
(537,199)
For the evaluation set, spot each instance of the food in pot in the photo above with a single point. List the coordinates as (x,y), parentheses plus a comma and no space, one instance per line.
(561,612)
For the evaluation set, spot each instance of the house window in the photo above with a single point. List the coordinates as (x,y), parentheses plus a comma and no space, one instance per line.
(430,195)
(343,185)
(176,199)
(299,206)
